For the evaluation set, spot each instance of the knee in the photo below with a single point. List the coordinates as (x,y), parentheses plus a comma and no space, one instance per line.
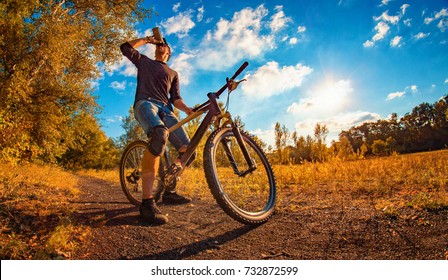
(158,141)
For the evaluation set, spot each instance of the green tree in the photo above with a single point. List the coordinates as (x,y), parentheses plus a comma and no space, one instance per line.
(379,147)
(281,139)
(319,149)
(278,140)
(89,147)
(344,149)
(132,130)
(49,55)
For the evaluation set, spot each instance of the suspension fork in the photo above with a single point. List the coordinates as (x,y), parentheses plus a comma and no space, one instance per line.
(239,138)
(230,157)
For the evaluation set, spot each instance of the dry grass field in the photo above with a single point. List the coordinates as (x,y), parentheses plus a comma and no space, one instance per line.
(36,210)
(416,180)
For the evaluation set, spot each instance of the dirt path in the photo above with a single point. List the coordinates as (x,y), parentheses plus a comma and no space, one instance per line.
(202,230)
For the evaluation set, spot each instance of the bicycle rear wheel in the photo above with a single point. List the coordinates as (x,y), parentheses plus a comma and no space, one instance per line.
(248,197)
(131,171)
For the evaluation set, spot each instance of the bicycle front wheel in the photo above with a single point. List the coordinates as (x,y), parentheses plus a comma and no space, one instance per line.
(131,172)
(247,196)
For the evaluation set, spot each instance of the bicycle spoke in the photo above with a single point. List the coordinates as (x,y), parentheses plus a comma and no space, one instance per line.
(245,194)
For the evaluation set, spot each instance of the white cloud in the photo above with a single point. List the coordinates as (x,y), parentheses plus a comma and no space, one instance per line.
(301,29)
(200,14)
(421,35)
(279,20)
(293,41)
(368,44)
(347,120)
(382,29)
(118,86)
(176,7)
(412,89)
(428,20)
(446,81)
(385,17)
(443,23)
(271,79)
(403,8)
(235,40)
(442,13)
(336,123)
(183,66)
(394,95)
(328,98)
(407,22)
(114,119)
(267,136)
(384,2)
(180,24)
(125,67)
(396,42)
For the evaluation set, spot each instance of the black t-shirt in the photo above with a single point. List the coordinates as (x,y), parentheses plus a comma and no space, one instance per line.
(154,78)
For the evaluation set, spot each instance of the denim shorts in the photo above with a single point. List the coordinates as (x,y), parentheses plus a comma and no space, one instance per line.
(150,113)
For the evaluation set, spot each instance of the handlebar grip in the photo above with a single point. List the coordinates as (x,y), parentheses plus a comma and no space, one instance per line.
(241,69)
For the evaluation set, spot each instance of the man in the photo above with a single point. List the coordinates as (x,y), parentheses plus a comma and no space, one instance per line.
(157,90)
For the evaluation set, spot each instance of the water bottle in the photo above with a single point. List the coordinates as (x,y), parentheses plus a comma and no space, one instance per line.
(157,34)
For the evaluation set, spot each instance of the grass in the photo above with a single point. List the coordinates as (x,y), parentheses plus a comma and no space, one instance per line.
(35,212)
(416,180)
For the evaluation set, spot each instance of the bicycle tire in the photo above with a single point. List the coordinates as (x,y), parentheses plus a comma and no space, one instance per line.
(251,202)
(130,172)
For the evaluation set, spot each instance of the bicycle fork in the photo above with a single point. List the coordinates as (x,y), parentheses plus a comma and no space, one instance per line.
(252,166)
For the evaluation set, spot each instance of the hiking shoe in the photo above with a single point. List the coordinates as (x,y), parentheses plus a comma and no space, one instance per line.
(151,214)
(174,198)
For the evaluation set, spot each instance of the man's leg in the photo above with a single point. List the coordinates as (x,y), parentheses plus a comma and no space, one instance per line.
(150,168)
(180,140)
(172,197)
(146,113)
(148,208)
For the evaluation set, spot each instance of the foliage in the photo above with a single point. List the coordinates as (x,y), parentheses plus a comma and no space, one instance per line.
(89,147)
(281,139)
(34,212)
(425,128)
(132,130)
(49,55)
(304,149)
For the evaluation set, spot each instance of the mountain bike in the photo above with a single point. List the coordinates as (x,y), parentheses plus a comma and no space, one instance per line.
(236,169)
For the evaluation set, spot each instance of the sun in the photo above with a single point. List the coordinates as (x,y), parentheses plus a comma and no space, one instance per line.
(332,96)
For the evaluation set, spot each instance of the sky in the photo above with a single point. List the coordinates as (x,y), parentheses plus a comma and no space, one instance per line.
(333,62)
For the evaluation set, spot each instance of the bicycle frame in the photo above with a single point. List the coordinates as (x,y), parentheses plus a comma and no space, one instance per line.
(212,109)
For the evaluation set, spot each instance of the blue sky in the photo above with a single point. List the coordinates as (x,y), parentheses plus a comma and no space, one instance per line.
(336,62)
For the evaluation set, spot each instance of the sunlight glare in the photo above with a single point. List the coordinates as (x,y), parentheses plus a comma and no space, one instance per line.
(332,96)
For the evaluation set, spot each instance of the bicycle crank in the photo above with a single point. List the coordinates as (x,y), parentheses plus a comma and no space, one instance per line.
(171,176)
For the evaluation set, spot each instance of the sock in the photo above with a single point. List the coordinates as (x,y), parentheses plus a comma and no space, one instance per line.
(148,200)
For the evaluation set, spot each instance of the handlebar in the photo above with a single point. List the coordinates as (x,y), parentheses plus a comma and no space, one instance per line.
(221,90)
(241,69)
